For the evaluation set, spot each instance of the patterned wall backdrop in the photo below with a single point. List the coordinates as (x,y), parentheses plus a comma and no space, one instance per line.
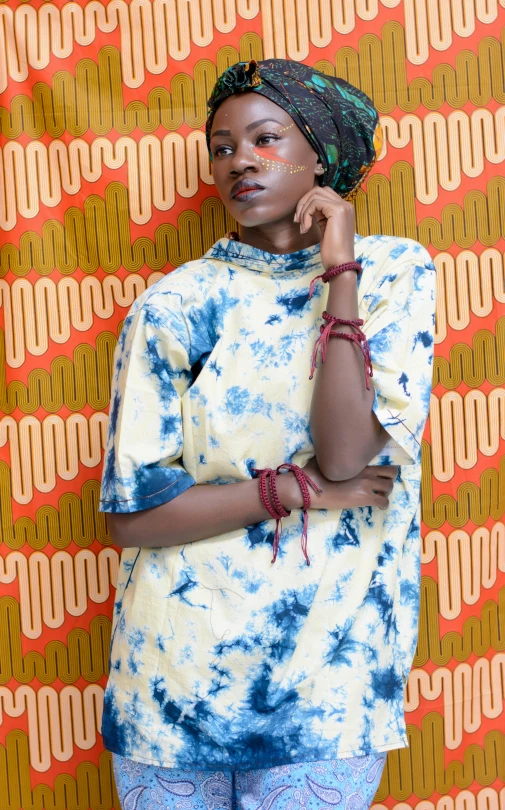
(105,185)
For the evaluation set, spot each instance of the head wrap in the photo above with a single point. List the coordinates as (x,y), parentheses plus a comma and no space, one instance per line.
(339,121)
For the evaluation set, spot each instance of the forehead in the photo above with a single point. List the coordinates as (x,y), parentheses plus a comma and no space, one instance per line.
(242,109)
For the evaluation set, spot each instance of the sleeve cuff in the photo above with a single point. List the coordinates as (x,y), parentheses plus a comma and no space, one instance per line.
(403,426)
(165,490)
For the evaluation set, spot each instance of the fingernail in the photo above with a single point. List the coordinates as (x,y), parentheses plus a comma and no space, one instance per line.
(295,218)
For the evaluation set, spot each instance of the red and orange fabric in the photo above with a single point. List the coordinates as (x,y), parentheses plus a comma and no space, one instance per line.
(105,185)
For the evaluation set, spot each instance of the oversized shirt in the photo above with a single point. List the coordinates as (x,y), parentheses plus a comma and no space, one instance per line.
(219,657)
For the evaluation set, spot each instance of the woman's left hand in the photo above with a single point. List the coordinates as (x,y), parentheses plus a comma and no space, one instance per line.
(336,220)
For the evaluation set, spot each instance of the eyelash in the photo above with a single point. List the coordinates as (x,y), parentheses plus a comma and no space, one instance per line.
(271,135)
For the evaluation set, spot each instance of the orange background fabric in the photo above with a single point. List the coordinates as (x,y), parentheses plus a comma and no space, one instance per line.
(105,186)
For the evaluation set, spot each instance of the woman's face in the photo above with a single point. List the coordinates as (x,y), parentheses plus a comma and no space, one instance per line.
(262,163)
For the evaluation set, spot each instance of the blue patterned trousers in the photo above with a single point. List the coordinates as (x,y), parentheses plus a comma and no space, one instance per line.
(343,784)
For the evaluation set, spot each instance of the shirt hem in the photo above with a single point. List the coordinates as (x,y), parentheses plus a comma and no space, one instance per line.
(157,763)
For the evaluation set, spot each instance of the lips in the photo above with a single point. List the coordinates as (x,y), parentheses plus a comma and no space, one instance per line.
(245,189)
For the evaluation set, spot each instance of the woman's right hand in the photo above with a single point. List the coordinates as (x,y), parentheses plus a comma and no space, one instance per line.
(371,487)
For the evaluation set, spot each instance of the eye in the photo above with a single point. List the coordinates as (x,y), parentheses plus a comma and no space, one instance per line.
(222,151)
(267,139)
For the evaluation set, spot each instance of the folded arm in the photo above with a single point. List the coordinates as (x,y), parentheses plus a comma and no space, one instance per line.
(200,512)
(209,510)
(345,431)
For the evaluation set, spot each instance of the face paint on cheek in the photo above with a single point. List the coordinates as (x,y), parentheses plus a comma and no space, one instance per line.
(269,159)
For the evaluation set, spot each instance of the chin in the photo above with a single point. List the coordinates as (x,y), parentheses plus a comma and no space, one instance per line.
(253,217)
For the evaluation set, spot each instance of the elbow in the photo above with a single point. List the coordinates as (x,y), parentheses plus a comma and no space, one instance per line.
(118,530)
(341,470)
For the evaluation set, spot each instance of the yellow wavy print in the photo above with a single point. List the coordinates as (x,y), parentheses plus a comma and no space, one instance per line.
(105,186)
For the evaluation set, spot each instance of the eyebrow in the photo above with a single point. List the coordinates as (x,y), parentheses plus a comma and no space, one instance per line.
(226,132)
(261,121)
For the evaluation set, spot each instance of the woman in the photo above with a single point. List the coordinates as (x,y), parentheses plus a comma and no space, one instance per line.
(267,602)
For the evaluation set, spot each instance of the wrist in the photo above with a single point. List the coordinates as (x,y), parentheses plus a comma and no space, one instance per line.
(342,298)
(289,492)
(347,279)
(337,261)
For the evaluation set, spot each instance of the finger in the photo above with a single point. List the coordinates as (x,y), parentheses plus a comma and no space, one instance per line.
(386,471)
(384,485)
(310,207)
(324,193)
(317,196)
(381,501)
(302,206)
(301,202)
(305,222)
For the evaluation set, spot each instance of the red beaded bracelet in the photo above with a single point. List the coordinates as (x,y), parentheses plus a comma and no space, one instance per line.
(270,500)
(359,338)
(275,496)
(265,485)
(266,476)
(331,272)
(303,481)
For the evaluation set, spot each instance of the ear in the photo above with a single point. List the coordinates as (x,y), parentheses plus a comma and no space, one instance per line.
(319,168)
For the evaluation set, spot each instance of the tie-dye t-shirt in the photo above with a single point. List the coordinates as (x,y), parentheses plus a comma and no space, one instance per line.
(219,657)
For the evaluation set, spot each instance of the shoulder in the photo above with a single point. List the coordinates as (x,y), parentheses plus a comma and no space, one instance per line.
(394,262)
(182,288)
(187,306)
(398,279)
(380,253)
(163,308)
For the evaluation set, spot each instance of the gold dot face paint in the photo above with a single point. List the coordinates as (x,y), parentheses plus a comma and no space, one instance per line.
(270,160)
(283,129)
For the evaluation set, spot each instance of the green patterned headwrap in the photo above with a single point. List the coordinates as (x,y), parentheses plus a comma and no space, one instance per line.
(339,121)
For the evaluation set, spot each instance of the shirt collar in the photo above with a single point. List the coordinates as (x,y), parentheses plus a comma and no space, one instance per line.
(234,252)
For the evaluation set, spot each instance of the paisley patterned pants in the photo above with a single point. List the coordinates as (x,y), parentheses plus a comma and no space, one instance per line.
(343,784)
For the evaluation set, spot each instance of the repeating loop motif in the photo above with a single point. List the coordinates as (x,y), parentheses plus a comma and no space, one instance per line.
(106,186)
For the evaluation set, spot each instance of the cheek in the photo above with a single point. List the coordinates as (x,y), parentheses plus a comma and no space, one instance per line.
(269,159)
(219,177)
(270,153)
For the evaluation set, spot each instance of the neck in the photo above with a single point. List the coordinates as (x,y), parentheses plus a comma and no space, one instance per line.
(280,237)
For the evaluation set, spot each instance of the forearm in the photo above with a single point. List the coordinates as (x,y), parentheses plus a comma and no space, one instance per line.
(345,431)
(203,511)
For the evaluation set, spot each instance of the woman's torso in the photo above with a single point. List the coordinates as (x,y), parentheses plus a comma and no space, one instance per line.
(218,656)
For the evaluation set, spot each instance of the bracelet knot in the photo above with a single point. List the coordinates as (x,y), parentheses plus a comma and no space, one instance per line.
(270,500)
(333,271)
(358,337)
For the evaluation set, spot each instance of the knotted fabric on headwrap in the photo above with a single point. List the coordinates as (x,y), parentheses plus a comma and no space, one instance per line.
(339,121)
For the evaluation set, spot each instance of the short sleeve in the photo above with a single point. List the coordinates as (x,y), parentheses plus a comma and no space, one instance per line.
(399,326)
(142,466)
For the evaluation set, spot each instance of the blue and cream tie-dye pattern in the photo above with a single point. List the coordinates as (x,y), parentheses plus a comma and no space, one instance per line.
(219,658)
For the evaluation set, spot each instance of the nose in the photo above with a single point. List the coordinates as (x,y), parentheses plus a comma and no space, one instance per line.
(244,159)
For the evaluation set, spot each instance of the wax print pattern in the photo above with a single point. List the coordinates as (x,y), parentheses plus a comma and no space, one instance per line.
(219,658)
(348,784)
